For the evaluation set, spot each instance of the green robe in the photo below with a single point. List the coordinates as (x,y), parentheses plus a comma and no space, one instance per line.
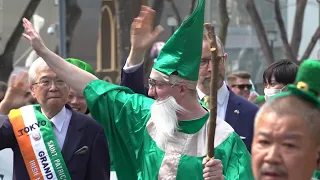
(316,174)
(125,117)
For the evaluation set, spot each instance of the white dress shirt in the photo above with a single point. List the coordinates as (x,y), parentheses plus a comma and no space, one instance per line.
(6,164)
(223,96)
(61,123)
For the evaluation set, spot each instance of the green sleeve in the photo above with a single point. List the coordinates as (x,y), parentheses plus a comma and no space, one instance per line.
(124,115)
(316,174)
(235,158)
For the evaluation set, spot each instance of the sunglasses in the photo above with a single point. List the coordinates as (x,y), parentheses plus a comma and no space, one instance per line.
(242,86)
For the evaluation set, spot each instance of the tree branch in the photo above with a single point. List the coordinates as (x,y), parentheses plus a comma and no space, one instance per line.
(311,45)
(297,26)
(261,33)
(193,2)
(158,6)
(224,20)
(175,11)
(73,12)
(283,32)
(124,18)
(15,37)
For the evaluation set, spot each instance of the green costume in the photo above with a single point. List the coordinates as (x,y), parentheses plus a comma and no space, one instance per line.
(130,129)
(307,87)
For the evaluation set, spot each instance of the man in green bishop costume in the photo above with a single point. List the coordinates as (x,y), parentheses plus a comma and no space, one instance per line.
(164,138)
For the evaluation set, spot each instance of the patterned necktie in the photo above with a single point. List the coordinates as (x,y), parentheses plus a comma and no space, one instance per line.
(206,100)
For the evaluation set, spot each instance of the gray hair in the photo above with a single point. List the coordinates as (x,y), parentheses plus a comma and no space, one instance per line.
(36,66)
(295,106)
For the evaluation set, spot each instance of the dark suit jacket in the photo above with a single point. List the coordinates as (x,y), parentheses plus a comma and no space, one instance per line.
(82,131)
(240,115)
(242,122)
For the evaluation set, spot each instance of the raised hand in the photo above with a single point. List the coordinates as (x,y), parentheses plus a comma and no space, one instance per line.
(143,34)
(15,95)
(33,36)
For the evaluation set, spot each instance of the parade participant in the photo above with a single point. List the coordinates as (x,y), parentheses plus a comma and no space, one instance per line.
(166,138)
(236,111)
(6,155)
(240,84)
(78,102)
(75,100)
(277,76)
(286,143)
(49,140)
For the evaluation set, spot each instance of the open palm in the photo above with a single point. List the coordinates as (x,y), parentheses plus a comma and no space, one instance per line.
(33,36)
(143,34)
(15,95)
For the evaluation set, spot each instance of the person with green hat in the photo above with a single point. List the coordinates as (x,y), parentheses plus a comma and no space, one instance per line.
(164,138)
(75,100)
(78,102)
(286,142)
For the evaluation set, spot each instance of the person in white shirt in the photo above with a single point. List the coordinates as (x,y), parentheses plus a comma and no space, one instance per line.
(80,141)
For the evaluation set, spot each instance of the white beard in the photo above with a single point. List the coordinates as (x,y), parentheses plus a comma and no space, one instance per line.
(165,119)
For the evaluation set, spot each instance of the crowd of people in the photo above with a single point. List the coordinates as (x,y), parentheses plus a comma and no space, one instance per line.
(76,126)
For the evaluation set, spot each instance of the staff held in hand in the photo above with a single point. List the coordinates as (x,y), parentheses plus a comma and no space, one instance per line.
(210,34)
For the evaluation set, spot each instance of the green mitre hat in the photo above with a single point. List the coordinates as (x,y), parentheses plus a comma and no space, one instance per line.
(179,59)
(81,64)
(307,83)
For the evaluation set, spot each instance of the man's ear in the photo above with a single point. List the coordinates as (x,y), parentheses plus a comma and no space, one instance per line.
(32,91)
(183,89)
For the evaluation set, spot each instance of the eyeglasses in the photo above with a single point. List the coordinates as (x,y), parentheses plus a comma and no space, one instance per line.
(242,86)
(153,83)
(205,62)
(48,83)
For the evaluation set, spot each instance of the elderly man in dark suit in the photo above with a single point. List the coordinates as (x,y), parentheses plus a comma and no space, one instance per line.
(78,139)
(235,110)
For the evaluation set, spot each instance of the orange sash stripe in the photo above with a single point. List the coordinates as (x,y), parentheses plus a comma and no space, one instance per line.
(25,145)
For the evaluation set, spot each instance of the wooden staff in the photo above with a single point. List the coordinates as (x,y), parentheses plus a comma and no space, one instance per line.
(210,34)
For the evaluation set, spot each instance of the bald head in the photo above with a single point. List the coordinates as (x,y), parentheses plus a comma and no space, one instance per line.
(294,106)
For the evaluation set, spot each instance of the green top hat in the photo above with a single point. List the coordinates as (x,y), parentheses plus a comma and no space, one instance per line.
(307,84)
(179,59)
(81,64)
